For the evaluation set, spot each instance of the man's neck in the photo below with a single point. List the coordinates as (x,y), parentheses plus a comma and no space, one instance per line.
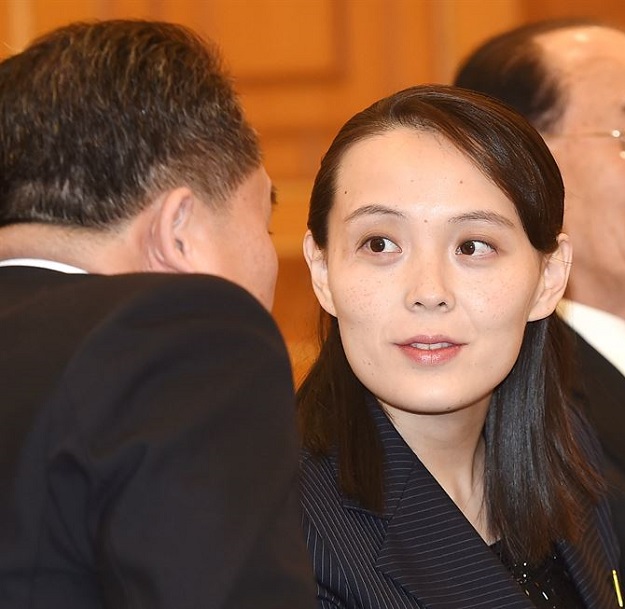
(106,252)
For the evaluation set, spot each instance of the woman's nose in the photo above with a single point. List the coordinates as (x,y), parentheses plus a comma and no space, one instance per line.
(429,287)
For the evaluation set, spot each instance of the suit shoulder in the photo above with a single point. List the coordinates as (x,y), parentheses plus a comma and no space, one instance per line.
(319,486)
(42,297)
(158,298)
(206,291)
(195,309)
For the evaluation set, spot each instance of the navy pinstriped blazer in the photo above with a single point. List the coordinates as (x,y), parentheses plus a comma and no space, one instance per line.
(423,553)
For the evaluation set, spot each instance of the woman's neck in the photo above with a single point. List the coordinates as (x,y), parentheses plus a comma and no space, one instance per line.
(451,446)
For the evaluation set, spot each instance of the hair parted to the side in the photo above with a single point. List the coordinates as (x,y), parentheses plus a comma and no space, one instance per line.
(511,67)
(98,118)
(538,478)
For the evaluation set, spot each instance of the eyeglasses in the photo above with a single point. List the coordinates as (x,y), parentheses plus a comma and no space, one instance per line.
(615,134)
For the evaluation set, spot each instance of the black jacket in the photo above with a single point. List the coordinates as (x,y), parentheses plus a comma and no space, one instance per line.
(601,389)
(422,552)
(148,453)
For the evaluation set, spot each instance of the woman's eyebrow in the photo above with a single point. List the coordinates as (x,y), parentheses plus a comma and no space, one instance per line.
(489,217)
(374,210)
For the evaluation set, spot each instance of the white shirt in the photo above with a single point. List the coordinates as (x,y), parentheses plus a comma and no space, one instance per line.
(43,264)
(600,329)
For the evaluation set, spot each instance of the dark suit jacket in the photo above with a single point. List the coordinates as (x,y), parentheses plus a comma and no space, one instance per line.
(148,454)
(422,552)
(601,388)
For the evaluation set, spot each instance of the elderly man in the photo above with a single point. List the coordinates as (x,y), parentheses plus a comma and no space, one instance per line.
(147,440)
(568,78)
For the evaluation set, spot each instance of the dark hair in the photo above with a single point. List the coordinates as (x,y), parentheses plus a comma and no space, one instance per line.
(537,478)
(98,118)
(511,67)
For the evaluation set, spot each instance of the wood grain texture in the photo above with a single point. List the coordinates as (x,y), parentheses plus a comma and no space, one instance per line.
(303,67)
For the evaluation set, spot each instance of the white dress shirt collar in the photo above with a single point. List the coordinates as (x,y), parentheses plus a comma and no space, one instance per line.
(42,264)
(600,329)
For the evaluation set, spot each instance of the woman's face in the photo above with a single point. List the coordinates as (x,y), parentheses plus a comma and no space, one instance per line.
(429,272)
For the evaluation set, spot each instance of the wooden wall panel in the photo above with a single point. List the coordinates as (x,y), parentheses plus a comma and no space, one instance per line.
(47,14)
(129,9)
(6,44)
(307,47)
(460,26)
(15,25)
(303,67)
(610,10)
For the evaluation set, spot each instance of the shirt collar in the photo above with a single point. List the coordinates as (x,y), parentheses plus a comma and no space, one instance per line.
(43,264)
(600,329)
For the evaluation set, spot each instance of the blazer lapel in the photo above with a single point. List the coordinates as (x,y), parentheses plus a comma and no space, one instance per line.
(588,564)
(430,549)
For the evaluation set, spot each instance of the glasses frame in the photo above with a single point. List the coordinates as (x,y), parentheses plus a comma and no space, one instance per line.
(616,134)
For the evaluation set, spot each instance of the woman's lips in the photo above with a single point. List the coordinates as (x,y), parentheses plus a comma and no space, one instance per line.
(430,351)
(430,346)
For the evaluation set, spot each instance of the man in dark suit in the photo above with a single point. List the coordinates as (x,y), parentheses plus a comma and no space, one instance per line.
(148,452)
(568,78)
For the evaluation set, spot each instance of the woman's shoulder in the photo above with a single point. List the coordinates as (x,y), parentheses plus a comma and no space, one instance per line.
(343,539)
(323,502)
(318,477)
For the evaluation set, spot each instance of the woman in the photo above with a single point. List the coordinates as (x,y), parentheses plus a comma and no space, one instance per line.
(443,466)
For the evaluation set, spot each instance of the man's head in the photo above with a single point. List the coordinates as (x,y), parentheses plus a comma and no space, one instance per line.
(133,128)
(568,78)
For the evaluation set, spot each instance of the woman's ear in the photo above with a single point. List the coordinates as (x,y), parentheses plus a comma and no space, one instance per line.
(316,260)
(170,232)
(555,276)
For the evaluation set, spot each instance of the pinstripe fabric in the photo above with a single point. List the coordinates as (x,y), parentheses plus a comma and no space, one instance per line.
(590,563)
(422,553)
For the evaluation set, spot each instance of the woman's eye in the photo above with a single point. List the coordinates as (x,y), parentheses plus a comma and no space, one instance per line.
(474,247)
(380,245)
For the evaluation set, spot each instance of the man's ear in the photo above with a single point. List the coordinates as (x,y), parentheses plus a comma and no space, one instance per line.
(555,276)
(169,239)
(316,260)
